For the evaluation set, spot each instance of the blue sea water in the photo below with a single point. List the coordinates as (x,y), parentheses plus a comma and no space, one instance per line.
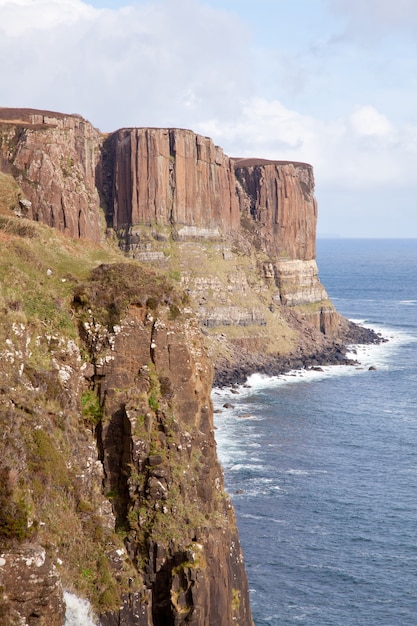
(322,466)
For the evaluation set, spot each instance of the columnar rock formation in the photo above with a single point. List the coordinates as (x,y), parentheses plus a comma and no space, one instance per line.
(170,176)
(177,179)
(279,196)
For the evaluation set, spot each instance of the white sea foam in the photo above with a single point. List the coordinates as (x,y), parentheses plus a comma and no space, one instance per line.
(379,356)
(232,450)
(238,467)
(297,472)
(78,611)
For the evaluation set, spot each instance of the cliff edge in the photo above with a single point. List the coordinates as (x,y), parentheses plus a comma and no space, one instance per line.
(132,263)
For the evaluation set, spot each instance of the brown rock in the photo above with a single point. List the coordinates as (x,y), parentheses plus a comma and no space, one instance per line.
(170,176)
(279,197)
(54,157)
(30,588)
(155,382)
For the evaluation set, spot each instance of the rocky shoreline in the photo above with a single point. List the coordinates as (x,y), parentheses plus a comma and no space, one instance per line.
(334,354)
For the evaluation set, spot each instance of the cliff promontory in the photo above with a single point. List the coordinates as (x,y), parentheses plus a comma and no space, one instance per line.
(110,485)
(136,268)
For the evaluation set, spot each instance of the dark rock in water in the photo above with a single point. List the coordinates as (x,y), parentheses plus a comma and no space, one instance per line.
(372,368)
(227,405)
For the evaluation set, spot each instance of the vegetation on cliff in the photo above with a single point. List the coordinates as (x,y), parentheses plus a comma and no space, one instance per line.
(107,456)
(44,437)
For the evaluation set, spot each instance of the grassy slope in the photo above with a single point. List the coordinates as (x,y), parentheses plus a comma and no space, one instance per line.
(42,425)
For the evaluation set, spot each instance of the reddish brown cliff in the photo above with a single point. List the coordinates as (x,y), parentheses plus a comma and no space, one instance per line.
(279,196)
(159,453)
(108,454)
(53,158)
(167,177)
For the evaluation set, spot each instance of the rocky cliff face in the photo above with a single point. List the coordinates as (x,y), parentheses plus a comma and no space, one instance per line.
(159,455)
(110,484)
(53,159)
(109,480)
(171,195)
(279,196)
(169,177)
(177,180)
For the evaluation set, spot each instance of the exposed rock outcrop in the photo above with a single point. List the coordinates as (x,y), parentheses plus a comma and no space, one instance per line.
(109,480)
(159,458)
(279,196)
(169,177)
(158,452)
(53,158)
(177,180)
(30,588)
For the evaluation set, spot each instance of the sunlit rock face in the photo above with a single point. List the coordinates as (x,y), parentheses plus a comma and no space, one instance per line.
(30,587)
(170,177)
(159,458)
(279,197)
(161,177)
(53,158)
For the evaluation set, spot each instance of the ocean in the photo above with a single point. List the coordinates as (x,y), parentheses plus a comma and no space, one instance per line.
(322,466)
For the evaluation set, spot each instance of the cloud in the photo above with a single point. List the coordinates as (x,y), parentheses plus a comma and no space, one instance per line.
(386,15)
(359,150)
(18,17)
(164,62)
(366,121)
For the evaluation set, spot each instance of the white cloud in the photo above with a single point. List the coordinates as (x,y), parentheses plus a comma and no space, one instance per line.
(359,150)
(163,62)
(367,121)
(19,17)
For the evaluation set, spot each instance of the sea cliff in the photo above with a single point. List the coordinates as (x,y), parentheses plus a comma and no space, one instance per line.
(137,267)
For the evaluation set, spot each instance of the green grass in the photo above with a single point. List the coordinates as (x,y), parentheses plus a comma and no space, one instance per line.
(9,193)
(43,425)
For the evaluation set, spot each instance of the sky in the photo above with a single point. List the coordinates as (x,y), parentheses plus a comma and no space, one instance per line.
(328,82)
